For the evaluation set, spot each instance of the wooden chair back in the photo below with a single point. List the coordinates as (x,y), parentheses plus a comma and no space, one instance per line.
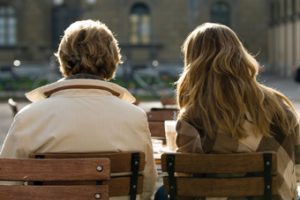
(168,101)
(161,115)
(157,130)
(156,119)
(163,109)
(126,170)
(220,175)
(54,170)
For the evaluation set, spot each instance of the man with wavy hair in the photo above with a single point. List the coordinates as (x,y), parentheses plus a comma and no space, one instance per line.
(83,112)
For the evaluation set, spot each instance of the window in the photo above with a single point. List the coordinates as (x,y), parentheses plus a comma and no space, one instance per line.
(62,16)
(8,25)
(220,13)
(274,11)
(140,24)
(282,8)
(288,8)
(294,7)
(277,10)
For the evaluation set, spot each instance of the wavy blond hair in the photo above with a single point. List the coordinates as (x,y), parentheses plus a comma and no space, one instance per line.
(88,47)
(218,91)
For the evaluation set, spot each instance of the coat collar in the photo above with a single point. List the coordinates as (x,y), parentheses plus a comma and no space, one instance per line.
(65,84)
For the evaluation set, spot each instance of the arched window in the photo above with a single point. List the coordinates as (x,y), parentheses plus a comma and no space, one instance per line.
(220,13)
(8,26)
(275,11)
(140,24)
(272,12)
(63,15)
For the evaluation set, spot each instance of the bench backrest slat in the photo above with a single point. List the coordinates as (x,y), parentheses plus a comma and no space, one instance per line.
(161,115)
(65,176)
(219,163)
(54,169)
(157,129)
(121,168)
(33,192)
(220,175)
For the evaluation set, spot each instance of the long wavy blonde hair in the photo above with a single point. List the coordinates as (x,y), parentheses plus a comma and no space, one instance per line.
(218,91)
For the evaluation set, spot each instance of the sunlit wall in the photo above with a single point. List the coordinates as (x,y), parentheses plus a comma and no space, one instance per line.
(284,36)
(149,31)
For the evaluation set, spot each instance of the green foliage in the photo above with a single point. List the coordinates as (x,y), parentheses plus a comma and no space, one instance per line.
(20,84)
(148,87)
(144,88)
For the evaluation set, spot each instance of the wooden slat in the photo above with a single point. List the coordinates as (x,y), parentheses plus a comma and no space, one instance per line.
(120,186)
(168,101)
(119,161)
(53,169)
(210,163)
(164,108)
(157,129)
(161,115)
(53,192)
(210,187)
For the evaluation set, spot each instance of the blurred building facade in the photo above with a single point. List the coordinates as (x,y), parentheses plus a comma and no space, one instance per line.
(150,32)
(284,36)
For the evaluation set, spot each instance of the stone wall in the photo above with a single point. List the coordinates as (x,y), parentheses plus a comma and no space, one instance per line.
(171,21)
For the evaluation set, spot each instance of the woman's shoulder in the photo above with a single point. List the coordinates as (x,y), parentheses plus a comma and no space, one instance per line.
(185,128)
(275,99)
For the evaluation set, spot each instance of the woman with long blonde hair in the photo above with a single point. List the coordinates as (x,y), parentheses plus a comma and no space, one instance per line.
(223,109)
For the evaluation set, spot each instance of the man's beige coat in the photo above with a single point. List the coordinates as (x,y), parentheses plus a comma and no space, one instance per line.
(81,115)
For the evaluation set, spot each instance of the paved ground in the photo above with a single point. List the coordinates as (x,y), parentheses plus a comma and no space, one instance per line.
(285,85)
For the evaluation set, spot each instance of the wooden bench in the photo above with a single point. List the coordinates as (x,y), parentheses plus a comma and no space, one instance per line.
(220,175)
(157,130)
(168,101)
(163,109)
(126,170)
(156,119)
(161,115)
(59,171)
